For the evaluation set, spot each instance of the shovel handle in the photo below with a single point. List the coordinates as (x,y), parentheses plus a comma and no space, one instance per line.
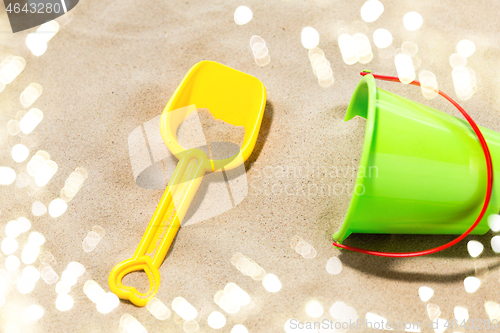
(162,228)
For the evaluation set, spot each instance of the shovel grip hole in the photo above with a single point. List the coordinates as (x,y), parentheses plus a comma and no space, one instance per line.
(137,279)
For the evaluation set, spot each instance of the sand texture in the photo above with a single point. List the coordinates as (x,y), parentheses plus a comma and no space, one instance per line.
(112,68)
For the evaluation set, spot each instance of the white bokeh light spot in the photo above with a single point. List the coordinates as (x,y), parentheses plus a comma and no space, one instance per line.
(271,283)
(20,153)
(382,38)
(57,207)
(471,284)
(309,38)
(494,222)
(216,320)
(371,10)
(7,175)
(34,312)
(412,21)
(314,309)
(64,302)
(425,293)
(242,15)
(475,248)
(466,48)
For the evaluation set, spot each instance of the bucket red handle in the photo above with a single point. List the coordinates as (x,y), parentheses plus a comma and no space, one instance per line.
(489,184)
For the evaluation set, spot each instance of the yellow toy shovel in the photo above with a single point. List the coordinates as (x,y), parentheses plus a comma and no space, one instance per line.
(232,96)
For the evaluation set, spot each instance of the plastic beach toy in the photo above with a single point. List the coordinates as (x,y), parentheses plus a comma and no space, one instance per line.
(428,171)
(232,96)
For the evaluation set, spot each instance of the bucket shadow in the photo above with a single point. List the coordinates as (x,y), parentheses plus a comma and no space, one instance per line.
(386,267)
(265,128)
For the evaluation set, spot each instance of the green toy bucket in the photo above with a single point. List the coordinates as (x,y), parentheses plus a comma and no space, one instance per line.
(422,171)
